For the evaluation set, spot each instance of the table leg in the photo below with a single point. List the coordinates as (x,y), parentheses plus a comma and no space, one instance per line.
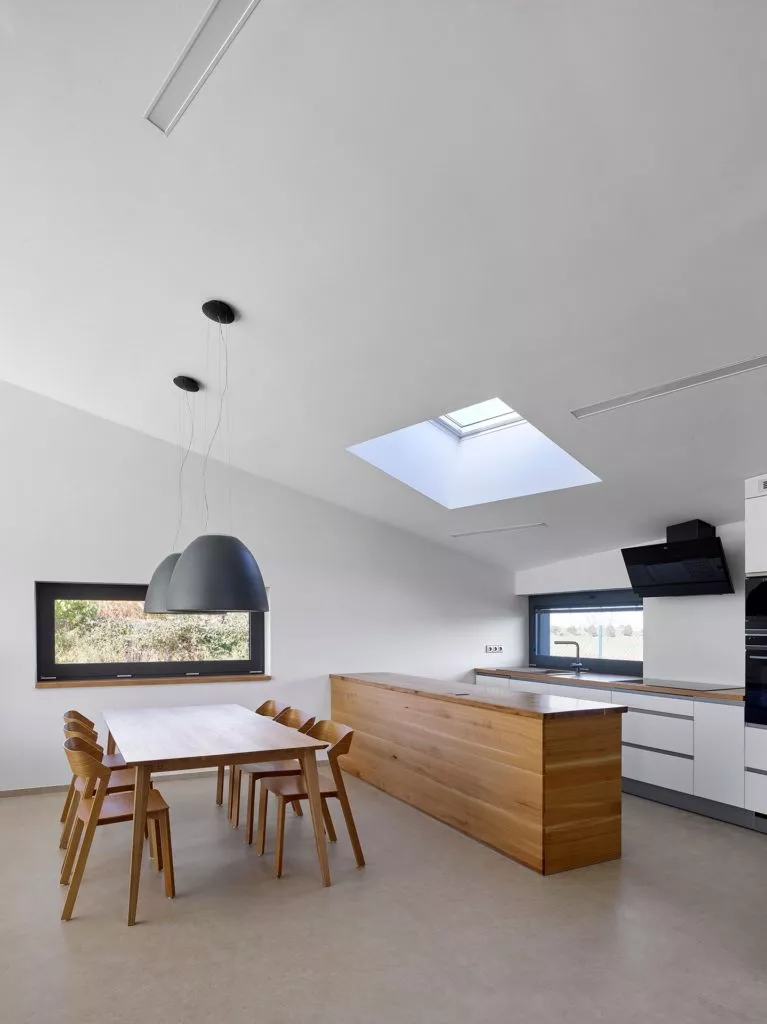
(140,797)
(309,765)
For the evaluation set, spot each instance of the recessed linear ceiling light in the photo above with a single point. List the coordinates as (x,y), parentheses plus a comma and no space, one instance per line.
(498,529)
(479,418)
(669,389)
(210,41)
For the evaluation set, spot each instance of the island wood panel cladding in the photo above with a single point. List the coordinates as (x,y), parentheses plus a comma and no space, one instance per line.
(487,772)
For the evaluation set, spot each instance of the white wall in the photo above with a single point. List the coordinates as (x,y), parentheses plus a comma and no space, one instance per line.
(685,638)
(87,500)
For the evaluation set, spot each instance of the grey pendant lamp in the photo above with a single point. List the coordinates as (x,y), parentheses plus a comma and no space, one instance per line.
(156,599)
(216,572)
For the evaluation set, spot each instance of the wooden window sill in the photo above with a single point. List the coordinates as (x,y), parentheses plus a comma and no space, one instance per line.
(58,684)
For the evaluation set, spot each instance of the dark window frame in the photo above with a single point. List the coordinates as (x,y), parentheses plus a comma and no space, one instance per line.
(49,670)
(538,624)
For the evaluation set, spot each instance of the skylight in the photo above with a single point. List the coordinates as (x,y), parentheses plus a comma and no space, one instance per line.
(478,419)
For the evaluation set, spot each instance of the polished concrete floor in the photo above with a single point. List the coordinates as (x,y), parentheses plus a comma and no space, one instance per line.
(436,928)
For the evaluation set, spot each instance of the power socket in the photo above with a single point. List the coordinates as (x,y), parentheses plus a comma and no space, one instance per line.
(493,648)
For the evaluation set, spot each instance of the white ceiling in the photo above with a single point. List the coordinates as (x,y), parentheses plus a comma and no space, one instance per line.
(415,207)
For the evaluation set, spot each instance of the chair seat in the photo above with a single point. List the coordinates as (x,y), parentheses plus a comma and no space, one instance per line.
(277,768)
(113,760)
(119,807)
(118,781)
(294,788)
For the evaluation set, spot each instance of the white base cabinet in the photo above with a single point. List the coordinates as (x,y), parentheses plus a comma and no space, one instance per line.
(656,769)
(719,752)
(693,746)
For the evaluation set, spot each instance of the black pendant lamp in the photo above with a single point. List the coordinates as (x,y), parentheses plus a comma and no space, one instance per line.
(216,572)
(156,599)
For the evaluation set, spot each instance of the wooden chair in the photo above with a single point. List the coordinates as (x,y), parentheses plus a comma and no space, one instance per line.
(113,758)
(293,718)
(288,789)
(270,709)
(99,807)
(120,780)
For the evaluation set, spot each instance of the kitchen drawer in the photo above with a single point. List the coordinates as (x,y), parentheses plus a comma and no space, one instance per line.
(756,748)
(658,769)
(518,685)
(651,730)
(579,692)
(653,702)
(756,792)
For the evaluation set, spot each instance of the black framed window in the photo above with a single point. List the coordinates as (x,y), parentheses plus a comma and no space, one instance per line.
(607,625)
(100,631)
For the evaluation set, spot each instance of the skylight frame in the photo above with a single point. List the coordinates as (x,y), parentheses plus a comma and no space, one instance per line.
(483,425)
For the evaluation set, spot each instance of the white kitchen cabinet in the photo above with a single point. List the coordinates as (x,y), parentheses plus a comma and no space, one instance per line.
(659,731)
(756,792)
(651,702)
(756,748)
(667,770)
(578,692)
(719,752)
(756,535)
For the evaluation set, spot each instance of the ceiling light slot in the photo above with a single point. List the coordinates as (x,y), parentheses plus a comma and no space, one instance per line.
(682,384)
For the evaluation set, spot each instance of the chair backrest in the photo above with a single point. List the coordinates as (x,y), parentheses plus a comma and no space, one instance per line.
(295,718)
(271,708)
(73,732)
(75,716)
(84,764)
(339,737)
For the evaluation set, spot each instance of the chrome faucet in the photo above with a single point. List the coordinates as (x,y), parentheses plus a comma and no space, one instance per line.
(577,664)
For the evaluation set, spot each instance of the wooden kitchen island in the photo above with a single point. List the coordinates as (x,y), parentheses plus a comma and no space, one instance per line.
(536,777)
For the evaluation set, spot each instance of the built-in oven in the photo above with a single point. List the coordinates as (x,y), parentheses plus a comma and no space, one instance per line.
(756,650)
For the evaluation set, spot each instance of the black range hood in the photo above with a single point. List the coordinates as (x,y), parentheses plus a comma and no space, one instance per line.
(691,562)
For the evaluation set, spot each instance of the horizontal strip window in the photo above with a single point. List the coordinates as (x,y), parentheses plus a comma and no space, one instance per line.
(99,631)
(660,750)
(603,630)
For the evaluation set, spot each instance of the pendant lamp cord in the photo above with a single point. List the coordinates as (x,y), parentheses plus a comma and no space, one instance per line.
(184,457)
(223,390)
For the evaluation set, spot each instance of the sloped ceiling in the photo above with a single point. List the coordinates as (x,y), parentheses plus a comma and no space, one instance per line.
(415,206)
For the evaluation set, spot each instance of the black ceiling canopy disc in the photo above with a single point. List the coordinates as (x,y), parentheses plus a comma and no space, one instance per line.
(218,311)
(187,383)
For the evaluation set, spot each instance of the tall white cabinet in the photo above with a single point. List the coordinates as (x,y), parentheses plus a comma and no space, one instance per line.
(756,525)
(719,752)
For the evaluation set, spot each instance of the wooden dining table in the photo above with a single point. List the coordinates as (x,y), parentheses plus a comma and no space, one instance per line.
(203,736)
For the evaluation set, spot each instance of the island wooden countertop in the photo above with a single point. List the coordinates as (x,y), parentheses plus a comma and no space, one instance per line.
(531,705)
(615,682)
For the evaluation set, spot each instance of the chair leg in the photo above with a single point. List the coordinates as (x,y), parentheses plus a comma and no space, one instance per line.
(154,829)
(343,800)
(296,804)
(111,745)
(263,800)
(66,832)
(163,825)
(251,798)
(74,842)
(328,821)
(230,801)
(281,804)
(151,835)
(68,801)
(220,785)
(235,819)
(82,857)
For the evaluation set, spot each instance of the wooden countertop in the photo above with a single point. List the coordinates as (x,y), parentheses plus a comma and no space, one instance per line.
(530,705)
(612,682)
